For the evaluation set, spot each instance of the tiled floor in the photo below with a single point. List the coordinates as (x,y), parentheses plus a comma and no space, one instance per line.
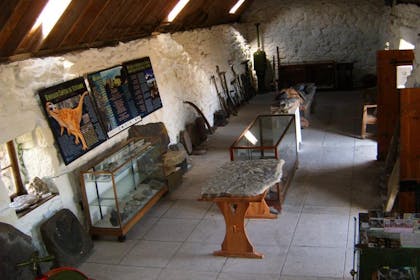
(311,239)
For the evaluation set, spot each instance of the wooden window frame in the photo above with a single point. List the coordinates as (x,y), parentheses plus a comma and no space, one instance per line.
(14,165)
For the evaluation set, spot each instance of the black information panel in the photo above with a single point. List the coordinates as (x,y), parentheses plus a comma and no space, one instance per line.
(72,118)
(143,85)
(114,101)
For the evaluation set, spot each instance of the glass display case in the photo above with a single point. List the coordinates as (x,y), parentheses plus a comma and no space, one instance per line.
(118,189)
(270,136)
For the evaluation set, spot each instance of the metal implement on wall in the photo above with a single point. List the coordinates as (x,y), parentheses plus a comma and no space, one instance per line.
(225,88)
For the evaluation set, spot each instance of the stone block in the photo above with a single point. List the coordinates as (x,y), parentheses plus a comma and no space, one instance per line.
(65,239)
(15,247)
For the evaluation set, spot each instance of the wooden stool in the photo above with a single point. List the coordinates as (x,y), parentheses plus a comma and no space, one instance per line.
(368,118)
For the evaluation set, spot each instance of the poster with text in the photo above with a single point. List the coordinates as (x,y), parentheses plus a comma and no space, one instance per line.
(143,85)
(113,99)
(72,118)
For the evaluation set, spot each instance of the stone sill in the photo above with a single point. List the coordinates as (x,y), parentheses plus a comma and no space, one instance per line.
(36,205)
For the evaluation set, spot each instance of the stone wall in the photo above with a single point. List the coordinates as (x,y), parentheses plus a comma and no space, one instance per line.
(344,31)
(405,24)
(183,64)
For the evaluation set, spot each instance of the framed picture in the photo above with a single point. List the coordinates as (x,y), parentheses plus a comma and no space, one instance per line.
(114,101)
(72,118)
(143,85)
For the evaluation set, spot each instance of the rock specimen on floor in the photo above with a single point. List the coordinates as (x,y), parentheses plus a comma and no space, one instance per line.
(65,239)
(15,247)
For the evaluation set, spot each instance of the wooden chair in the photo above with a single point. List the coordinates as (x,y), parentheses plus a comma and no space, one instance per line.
(368,118)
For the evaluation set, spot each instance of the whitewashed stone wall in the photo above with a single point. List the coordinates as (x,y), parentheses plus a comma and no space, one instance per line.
(405,24)
(344,31)
(183,64)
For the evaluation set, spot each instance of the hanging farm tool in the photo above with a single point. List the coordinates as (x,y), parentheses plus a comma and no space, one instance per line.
(223,105)
(260,63)
(247,83)
(229,99)
(237,85)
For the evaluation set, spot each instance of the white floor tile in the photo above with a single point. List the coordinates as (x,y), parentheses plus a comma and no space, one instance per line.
(188,209)
(247,276)
(151,254)
(324,230)
(197,257)
(278,232)
(314,261)
(173,274)
(141,228)
(209,231)
(272,262)
(110,252)
(112,272)
(171,229)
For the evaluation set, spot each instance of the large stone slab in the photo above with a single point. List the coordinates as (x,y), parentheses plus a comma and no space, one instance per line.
(65,239)
(154,130)
(15,247)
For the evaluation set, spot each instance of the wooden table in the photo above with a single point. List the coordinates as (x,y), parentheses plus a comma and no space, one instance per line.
(238,188)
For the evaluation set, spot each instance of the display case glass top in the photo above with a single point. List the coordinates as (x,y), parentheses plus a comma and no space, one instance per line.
(268,136)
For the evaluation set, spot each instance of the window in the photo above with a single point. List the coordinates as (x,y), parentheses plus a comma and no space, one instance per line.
(10,174)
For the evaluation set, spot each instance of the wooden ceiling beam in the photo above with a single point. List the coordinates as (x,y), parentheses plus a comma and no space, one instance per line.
(27,14)
(135,15)
(116,25)
(63,25)
(6,8)
(102,22)
(90,13)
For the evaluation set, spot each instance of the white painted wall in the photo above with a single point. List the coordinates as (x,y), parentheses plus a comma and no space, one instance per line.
(344,31)
(183,64)
(405,24)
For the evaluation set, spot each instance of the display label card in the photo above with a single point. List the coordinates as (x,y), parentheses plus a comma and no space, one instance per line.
(143,85)
(72,118)
(113,99)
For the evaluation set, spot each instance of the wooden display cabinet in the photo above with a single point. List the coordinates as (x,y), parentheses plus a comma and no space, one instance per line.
(118,189)
(388,99)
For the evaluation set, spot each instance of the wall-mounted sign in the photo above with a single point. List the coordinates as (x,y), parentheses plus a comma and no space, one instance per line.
(72,118)
(113,99)
(143,85)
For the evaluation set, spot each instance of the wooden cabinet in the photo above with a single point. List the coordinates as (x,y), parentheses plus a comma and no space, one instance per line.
(410,134)
(324,74)
(388,99)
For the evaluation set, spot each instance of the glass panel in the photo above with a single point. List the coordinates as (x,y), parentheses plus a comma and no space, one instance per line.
(260,140)
(134,174)
(287,150)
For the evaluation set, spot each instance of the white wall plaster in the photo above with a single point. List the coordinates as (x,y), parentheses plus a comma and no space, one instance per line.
(344,31)
(183,64)
(405,24)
